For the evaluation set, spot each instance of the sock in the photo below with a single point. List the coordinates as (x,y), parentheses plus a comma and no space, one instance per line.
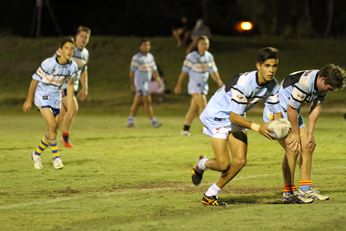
(55,151)
(65,136)
(153,120)
(305,185)
(131,120)
(288,188)
(186,127)
(42,146)
(213,190)
(201,163)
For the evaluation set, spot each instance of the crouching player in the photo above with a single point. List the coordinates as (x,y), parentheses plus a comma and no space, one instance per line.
(225,122)
(45,91)
(309,86)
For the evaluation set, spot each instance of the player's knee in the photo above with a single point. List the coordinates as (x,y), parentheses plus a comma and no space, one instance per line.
(223,165)
(239,163)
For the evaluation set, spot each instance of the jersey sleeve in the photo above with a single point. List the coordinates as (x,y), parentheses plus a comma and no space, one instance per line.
(134,64)
(41,71)
(299,93)
(211,65)
(239,100)
(187,65)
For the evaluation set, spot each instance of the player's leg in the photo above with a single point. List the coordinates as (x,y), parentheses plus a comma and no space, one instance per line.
(133,110)
(51,134)
(305,183)
(67,120)
(201,101)
(190,115)
(148,109)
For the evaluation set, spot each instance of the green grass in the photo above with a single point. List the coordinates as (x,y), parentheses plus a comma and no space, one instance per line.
(139,179)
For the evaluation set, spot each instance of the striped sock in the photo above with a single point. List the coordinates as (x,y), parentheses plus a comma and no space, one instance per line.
(65,136)
(288,188)
(55,151)
(305,185)
(42,146)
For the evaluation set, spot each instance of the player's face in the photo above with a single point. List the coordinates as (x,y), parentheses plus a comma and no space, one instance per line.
(145,47)
(82,39)
(203,46)
(322,86)
(67,50)
(267,69)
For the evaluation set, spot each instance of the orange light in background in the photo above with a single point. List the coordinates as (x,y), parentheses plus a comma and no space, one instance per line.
(244,26)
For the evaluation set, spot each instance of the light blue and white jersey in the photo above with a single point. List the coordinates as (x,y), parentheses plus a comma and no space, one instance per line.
(51,76)
(198,67)
(298,87)
(239,96)
(143,66)
(81,57)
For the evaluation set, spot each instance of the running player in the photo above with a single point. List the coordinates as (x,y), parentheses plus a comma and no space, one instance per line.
(197,65)
(81,57)
(142,69)
(45,91)
(309,86)
(225,122)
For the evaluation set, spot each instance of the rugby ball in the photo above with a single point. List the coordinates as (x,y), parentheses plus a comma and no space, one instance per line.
(279,128)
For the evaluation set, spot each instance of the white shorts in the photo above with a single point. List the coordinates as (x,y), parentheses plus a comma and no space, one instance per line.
(198,88)
(44,99)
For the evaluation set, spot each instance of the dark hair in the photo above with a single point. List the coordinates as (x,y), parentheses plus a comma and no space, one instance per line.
(267,53)
(66,40)
(83,29)
(143,40)
(335,76)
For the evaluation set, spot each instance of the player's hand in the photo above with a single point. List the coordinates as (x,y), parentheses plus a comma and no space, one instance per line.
(310,143)
(177,89)
(82,95)
(27,106)
(263,130)
(293,142)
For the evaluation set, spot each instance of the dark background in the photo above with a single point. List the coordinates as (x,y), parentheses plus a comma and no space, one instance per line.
(294,18)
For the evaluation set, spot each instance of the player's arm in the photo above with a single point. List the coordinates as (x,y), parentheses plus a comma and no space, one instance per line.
(243,122)
(182,77)
(132,81)
(29,99)
(70,93)
(216,77)
(84,82)
(314,113)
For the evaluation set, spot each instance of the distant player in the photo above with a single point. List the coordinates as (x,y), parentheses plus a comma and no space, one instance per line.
(197,65)
(45,91)
(142,69)
(81,57)
(225,122)
(309,86)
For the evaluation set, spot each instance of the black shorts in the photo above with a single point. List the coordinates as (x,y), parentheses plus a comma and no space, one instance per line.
(64,93)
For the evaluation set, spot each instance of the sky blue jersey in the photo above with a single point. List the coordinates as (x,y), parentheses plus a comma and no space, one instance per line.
(238,96)
(50,76)
(143,66)
(298,87)
(198,67)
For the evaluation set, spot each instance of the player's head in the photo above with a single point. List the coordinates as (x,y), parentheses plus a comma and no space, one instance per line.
(331,77)
(144,46)
(202,44)
(66,46)
(267,63)
(82,36)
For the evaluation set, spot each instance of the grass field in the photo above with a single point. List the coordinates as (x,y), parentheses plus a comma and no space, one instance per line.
(139,179)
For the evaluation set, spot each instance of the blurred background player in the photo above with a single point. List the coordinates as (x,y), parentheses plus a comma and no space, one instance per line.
(181,31)
(45,89)
(225,122)
(142,69)
(81,57)
(200,29)
(303,86)
(197,65)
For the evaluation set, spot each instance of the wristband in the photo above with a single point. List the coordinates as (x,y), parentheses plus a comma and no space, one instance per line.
(255,127)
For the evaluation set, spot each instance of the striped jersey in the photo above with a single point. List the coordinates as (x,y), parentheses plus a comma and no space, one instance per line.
(241,94)
(198,66)
(299,87)
(51,75)
(143,66)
